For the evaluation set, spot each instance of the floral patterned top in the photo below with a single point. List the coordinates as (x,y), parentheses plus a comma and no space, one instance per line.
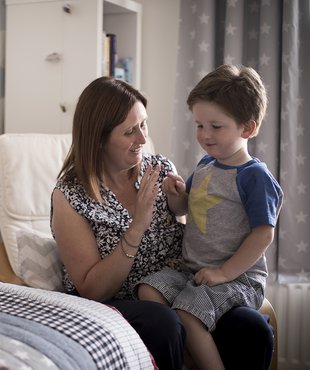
(162,241)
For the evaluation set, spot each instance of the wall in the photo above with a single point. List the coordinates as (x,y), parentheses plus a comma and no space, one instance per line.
(159,58)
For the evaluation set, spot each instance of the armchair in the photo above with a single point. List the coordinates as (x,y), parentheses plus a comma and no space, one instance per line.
(29,164)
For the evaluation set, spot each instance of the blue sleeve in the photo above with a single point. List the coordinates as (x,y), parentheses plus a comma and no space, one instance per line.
(260,193)
(203,161)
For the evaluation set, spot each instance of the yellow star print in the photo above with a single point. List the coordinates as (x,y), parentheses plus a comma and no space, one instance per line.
(199,203)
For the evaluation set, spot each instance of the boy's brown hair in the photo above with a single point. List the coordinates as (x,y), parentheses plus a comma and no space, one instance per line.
(238,90)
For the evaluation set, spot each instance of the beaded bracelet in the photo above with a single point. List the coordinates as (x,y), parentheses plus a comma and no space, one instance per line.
(130,245)
(125,253)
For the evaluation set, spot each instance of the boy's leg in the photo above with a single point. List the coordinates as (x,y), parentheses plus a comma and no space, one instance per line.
(148,293)
(200,343)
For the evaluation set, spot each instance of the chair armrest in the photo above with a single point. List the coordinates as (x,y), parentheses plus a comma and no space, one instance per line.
(267,309)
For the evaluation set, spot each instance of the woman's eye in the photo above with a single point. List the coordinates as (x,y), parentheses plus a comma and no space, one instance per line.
(129,132)
(216,127)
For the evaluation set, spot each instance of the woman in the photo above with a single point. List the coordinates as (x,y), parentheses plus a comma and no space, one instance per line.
(112,223)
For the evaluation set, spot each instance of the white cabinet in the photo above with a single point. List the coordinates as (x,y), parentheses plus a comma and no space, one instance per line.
(54,49)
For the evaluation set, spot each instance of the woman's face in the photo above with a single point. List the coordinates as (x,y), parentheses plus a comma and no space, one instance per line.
(123,150)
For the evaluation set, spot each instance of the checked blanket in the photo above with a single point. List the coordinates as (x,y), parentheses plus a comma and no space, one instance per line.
(76,333)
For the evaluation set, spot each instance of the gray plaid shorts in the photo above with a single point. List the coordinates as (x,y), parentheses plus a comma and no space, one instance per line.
(208,304)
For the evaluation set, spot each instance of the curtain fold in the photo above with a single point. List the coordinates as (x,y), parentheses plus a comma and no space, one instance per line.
(272,37)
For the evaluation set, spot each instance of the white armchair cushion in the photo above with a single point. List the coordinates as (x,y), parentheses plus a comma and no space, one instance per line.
(39,262)
(29,165)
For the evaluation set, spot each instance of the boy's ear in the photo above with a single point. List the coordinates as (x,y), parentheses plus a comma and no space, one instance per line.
(249,129)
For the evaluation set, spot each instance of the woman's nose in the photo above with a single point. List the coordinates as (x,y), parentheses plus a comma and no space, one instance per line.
(141,137)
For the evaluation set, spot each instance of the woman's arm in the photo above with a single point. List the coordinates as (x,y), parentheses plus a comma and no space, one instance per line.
(95,277)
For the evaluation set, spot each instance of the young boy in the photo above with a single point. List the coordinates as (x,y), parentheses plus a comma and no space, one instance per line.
(232,202)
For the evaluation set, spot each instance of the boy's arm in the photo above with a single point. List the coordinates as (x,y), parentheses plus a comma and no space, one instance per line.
(251,249)
(174,186)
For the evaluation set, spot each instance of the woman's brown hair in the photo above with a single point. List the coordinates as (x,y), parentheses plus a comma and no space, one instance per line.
(103,105)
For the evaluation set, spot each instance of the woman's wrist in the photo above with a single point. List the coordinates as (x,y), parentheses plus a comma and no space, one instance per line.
(132,238)
(128,255)
(129,243)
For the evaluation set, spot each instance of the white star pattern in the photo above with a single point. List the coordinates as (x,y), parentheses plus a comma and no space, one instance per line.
(286,27)
(265,29)
(284,86)
(282,262)
(192,34)
(300,130)
(286,58)
(302,246)
(300,159)
(301,217)
(194,8)
(283,175)
(303,276)
(230,30)
(229,59)
(204,19)
(282,234)
(301,188)
(264,60)
(266,39)
(283,146)
(203,46)
(262,147)
(299,102)
(232,3)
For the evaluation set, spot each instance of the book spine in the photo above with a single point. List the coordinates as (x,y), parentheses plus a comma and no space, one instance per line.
(113,53)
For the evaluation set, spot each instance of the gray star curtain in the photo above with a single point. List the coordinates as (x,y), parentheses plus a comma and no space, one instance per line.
(271,36)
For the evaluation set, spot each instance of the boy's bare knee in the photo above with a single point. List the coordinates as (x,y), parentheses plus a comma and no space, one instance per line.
(148,293)
(144,291)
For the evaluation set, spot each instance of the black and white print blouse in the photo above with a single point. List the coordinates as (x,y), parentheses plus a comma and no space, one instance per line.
(161,243)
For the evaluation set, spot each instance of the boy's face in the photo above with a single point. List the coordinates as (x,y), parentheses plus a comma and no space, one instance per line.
(219,134)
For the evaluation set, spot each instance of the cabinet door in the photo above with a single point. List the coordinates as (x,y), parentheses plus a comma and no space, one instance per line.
(33,83)
(82,51)
(53,53)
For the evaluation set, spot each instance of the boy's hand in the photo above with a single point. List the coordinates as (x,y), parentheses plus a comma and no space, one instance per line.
(210,277)
(173,184)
